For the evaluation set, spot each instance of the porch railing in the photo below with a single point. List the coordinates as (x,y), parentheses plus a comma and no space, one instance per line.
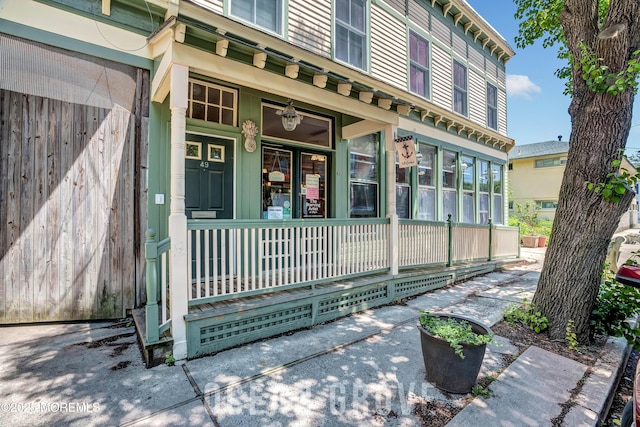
(158,271)
(227,258)
(232,258)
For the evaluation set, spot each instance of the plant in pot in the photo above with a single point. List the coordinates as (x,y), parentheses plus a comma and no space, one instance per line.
(453,348)
(527,215)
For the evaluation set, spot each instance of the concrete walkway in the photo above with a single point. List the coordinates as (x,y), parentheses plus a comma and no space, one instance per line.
(361,370)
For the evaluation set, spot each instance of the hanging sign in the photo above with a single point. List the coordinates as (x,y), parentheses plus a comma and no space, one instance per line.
(406,149)
(313,187)
(276,176)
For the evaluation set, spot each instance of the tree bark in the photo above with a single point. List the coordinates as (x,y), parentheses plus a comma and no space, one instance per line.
(584,221)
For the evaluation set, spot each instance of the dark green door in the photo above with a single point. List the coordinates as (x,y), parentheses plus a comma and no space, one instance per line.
(208,195)
(208,177)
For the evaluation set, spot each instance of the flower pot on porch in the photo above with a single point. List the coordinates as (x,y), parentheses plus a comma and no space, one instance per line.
(530,241)
(444,367)
(542,241)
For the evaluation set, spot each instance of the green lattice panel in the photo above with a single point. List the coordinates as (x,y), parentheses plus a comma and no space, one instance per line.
(422,284)
(352,302)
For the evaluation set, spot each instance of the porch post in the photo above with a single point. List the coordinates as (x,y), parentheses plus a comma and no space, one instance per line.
(177,218)
(394,238)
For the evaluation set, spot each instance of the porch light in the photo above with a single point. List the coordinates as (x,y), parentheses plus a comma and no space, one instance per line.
(290,117)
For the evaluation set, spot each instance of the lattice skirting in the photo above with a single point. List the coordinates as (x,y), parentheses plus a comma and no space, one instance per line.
(215,330)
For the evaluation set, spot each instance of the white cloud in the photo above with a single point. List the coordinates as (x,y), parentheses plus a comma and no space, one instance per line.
(521,87)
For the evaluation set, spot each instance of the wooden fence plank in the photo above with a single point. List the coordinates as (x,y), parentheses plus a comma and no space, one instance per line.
(40,211)
(53,207)
(12,258)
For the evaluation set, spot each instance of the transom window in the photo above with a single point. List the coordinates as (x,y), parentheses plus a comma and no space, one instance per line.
(492,106)
(351,32)
(262,13)
(212,103)
(546,163)
(419,68)
(460,100)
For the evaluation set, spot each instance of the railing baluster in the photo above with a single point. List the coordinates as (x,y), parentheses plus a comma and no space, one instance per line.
(207,273)
(214,246)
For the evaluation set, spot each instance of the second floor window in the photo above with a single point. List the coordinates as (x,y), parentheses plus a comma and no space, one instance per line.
(419,72)
(492,106)
(460,104)
(262,13)
(351,32)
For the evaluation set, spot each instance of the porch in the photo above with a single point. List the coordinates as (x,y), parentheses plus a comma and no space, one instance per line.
(246,280)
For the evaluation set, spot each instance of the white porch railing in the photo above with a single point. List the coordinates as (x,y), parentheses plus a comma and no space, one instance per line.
(232,258)
(227,258)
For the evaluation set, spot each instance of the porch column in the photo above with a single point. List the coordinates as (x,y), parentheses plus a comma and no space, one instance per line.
(179,76)
(394,240)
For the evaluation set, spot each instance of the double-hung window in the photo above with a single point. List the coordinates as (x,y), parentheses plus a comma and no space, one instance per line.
(262,13)
(460,94)
(427,183)
(468,190)
(363,174)
(351,32)
(492,106)
(484,187)
(449,185)
(419,65)
(497,194)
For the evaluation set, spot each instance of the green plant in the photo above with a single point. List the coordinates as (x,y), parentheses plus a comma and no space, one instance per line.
(527,216)
(169,360)
(571,337)
(615,305)
(454,331)
(483,389)
(526,315)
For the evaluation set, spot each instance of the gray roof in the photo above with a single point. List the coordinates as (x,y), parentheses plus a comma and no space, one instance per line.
(539,149)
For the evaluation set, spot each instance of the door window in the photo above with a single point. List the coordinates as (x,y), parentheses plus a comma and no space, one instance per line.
(276,183)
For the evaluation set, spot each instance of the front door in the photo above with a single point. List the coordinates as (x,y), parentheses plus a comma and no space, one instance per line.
(208,177)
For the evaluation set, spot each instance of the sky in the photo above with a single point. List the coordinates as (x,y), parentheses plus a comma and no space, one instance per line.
(536,108)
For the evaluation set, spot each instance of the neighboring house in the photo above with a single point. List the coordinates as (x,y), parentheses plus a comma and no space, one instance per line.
(535,176)
(224,149)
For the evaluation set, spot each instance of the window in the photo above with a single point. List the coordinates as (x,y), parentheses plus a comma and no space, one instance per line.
(262,13)
(459,88)
(403,190)
(497,194)
(468,190)
(483,188)
(313,129)
(212,103)
(363,172)
(545,163)
(449,185)
(351,32)
(546,204)
(419,66)
(492,106)
(426,183)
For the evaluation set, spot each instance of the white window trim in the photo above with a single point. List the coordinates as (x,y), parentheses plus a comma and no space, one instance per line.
(367,38)
(283,22)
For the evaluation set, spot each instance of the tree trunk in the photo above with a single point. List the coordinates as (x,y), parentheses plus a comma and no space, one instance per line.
(584,221)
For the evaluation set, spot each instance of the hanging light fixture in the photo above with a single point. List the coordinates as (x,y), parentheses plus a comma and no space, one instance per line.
(290,117)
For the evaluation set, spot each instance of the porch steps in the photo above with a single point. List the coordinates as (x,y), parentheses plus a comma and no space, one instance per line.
(152,353)
(220,325)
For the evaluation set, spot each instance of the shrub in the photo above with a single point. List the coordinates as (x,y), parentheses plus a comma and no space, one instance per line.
(616,305)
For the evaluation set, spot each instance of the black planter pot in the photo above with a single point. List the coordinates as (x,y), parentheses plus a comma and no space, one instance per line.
(444,368)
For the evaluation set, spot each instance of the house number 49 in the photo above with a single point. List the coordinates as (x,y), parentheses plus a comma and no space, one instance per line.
(204,164)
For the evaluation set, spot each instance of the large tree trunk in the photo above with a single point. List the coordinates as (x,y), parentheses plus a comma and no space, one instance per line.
(585,222)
